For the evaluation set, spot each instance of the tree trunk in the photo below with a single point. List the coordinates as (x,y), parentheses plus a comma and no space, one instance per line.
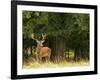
(68,54)
(77,56)
(58,48)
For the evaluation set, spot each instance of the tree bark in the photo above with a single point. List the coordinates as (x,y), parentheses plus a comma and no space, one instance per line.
(58,49)
(77,56)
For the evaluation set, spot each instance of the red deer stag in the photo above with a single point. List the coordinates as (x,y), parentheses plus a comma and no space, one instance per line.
(42,52)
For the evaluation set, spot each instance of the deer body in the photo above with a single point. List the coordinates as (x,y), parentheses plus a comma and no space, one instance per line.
(45,51)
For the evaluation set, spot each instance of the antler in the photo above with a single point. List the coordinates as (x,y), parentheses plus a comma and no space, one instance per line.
(33,36)
(43,36)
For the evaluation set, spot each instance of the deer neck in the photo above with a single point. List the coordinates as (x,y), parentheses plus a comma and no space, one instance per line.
(39,47)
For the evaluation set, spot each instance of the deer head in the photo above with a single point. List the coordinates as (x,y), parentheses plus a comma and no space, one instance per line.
(39,42)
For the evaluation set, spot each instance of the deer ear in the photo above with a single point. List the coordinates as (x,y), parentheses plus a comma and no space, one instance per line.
(42,41)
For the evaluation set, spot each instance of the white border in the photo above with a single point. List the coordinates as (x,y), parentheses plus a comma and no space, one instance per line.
(21,71)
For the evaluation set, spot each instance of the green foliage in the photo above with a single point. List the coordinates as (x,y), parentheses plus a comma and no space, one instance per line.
(73,27)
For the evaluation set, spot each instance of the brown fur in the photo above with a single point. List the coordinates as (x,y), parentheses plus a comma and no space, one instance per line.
(44,52)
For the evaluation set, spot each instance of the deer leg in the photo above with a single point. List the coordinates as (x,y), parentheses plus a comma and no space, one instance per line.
(37,58)
(40,59)
(48,58)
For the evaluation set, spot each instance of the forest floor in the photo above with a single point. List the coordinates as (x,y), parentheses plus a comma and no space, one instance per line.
(31,64)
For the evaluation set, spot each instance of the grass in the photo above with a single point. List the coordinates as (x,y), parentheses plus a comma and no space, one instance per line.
(30,65)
